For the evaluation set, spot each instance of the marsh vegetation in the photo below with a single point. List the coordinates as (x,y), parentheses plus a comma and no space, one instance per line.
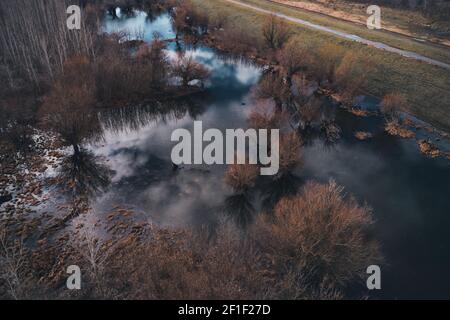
(100,191)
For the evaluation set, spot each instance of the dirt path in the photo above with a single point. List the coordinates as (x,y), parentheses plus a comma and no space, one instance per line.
(352,37)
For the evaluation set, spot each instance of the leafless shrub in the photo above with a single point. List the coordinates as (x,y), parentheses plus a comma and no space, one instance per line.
(189,19)
(318,237)
(293,57)
(188,70)
(36,40)
(272,86)
(263,116)
(120,76)
(241,176)
(276,32)
(351,75)
(68,108)
(290,151)
(154,64)
(94,252)
(391,105)
(237,42)
(12,264)
(322,66)
(310,112)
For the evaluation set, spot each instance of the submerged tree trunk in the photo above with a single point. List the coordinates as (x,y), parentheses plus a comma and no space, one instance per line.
(76,150)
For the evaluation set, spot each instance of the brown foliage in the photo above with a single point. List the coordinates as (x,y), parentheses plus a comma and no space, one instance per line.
(263,116)
(321,235)
(293,58)
(394,128)
(189,18)
(186,68)
(241,176)
(393,103)
(237,42)
(315,247)
(272,86)
(276,32)
(290,151)
(120,76)
(325,62)
(184,265)
(68,108)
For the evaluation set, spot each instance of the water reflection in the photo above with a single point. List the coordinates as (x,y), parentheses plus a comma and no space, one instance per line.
(240,209)
(84,174)
(140,24)
(287,184)
(407,190)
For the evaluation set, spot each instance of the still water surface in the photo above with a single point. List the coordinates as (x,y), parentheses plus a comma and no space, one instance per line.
(408,192)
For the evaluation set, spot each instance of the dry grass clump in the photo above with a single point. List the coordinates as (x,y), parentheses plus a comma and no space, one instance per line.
(363,135)
(184,265)
(428,148)
(320,237)
(395,129)
(122,77)
(392,104)
(241,176)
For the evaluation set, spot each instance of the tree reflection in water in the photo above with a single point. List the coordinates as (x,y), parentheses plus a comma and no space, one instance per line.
(83,174)
(315,119)
(133,118)
(239,208)
(284,185)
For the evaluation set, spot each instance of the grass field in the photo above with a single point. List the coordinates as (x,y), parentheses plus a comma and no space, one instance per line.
(400,20)
(435,52)
(426,87)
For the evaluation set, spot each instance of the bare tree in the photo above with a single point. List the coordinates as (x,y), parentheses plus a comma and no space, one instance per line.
(273,86)
(276,32)
(293,58)
(186,68)
(68,109)
(391,105)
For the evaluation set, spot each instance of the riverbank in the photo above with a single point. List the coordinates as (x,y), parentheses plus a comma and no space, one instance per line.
(424,85)
(437,141)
